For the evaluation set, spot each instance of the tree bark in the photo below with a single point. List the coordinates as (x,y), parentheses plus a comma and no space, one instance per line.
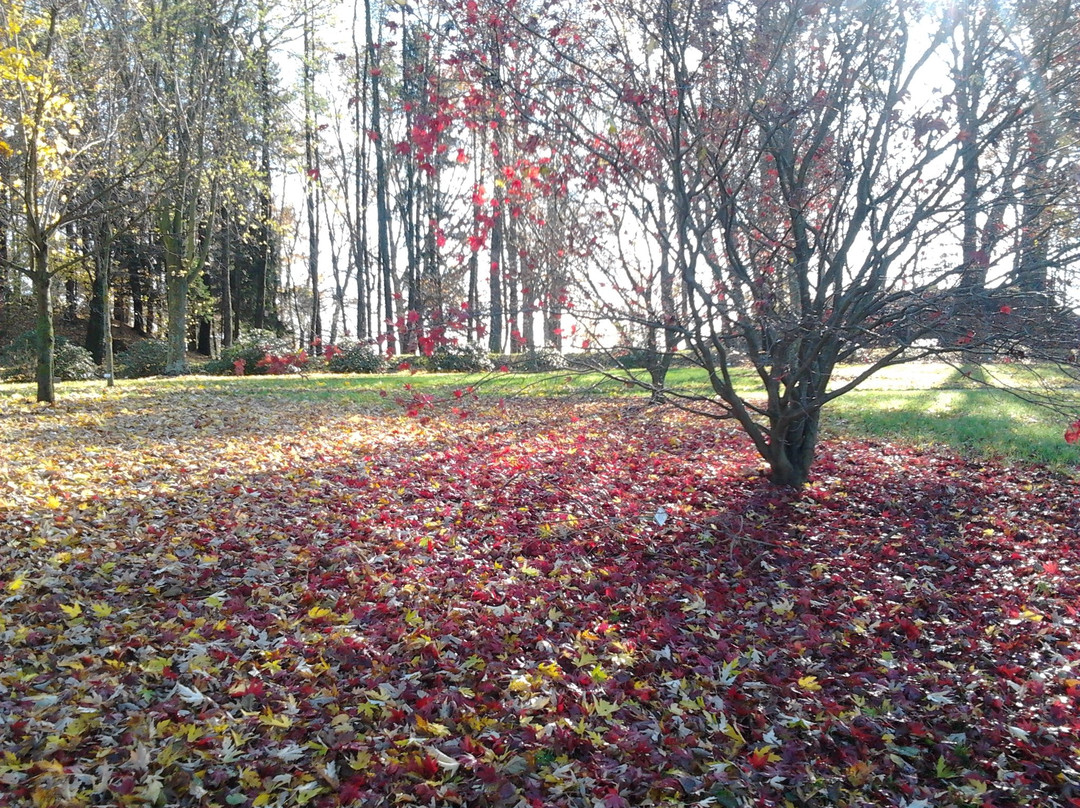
(46,336)
(176,295)
(382,204)
(792,444)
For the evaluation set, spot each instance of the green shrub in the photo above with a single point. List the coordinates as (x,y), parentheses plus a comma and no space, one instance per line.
(71,362)
(354,357)
(147,357)
(635,358)
(540,360)
(250,350)
(467,358)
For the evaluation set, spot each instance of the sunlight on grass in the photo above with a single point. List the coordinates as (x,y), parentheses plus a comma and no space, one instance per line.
(986,423)
(919,402)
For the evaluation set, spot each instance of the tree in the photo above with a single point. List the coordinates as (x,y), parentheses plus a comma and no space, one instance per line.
(193,51)
(805,177)
(57,170)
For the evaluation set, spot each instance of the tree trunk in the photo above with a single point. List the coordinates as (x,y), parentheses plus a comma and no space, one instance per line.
(227,288)
(135,285)
(46,337)
(528,310)
(176,296)
(382,204)
(204,339)
(71,298)
(99,313)
(106,322)
(512,286)
(792,442)
(265,266)
(495,336)
(1031,265)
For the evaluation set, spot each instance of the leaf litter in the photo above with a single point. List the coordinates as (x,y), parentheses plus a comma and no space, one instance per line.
(249,601)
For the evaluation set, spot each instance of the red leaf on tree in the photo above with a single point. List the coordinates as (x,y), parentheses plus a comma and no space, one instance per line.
(1072,434)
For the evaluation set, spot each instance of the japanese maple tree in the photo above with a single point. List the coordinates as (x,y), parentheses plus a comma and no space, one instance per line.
(797,169)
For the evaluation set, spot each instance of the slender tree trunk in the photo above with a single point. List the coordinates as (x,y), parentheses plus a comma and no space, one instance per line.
(105,250)
(528,308)
(71,291)
(100,312)
(313,189)
(473,301)
(381,189)
(513,291)
(46,336)
(227,286)
(266,265)
(495,335)
(5,217)
(360,247)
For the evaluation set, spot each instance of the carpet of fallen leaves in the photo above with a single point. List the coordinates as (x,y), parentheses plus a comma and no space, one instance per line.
(240,601)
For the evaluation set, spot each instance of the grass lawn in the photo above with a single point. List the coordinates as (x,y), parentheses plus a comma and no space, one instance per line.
(919,403)
(286,591)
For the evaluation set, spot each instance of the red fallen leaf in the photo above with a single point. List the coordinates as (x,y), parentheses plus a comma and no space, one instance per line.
(124,785)
(1051,568)
(761,758)
(1006,309)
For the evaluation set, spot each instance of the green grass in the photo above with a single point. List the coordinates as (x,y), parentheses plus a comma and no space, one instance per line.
(923,403)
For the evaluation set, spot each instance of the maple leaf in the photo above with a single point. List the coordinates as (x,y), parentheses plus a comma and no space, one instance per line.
(1072,434)
(762,757)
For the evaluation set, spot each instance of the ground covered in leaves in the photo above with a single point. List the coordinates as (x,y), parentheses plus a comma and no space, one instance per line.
(239,601)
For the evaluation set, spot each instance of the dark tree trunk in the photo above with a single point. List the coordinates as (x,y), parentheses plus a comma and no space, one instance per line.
(227,286)
(204,339)
(71,300)
(382,204)
(495,335)
(138,296)
(792,444)
(95,327)
(46,337)
(120,309)
(513,292)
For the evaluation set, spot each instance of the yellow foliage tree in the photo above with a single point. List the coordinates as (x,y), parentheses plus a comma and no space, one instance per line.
(41,123)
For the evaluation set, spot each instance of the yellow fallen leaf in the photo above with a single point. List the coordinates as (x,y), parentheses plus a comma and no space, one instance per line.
(605,709)
(315,612)
(15,585)
(809,683)
(270,720)
(431,727)
(101,609)
(74,610)
(52,502)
